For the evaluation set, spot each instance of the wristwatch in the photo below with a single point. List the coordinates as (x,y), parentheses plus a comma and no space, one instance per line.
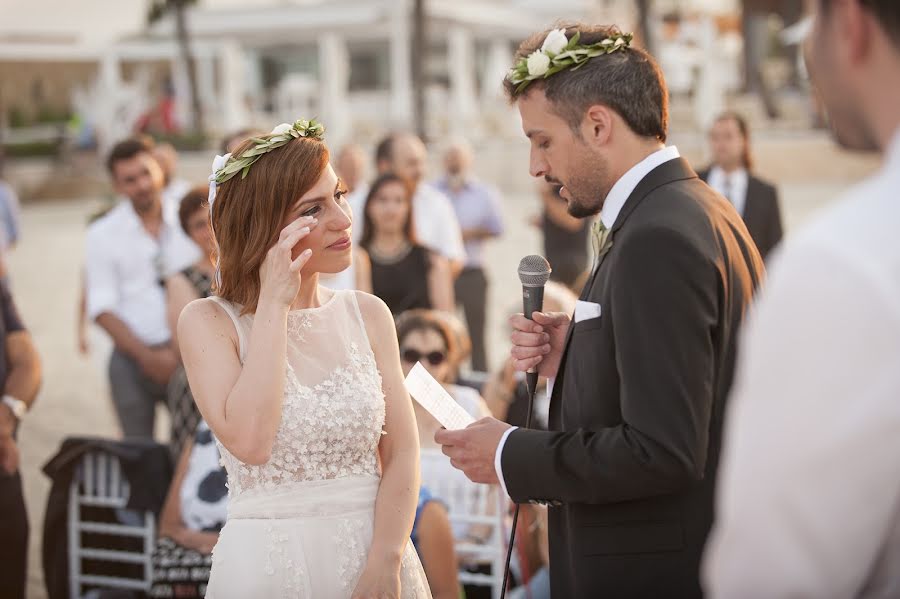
(19,408)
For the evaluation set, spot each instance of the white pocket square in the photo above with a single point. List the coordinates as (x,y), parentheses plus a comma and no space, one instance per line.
(586,311)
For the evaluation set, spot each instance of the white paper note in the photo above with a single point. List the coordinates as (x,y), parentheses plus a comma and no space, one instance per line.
(434,398)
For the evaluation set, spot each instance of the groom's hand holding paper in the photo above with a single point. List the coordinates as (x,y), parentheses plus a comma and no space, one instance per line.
(432,396)
(470,445)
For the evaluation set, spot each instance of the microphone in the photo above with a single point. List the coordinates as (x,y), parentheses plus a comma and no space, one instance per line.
(534,272)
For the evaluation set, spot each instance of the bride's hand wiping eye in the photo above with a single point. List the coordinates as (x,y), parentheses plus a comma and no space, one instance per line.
(280,273)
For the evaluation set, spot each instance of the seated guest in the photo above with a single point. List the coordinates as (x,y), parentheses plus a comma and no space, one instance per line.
(433,539)
(425,336)
(390,262)
(192,516)
(192,282)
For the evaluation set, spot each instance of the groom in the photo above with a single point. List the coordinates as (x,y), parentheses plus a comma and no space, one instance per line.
(641,372)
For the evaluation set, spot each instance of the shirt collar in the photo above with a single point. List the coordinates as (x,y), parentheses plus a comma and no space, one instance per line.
(735,177)
(130,215)
(619,193)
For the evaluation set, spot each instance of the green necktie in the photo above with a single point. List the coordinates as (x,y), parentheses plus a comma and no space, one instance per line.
(600,240)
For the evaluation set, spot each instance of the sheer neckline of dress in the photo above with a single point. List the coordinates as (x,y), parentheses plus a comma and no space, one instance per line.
(322,306)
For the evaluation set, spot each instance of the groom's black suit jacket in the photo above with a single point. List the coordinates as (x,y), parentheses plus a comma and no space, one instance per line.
(629,464)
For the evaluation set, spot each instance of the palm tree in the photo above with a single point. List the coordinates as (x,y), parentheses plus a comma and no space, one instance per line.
(419,50)
(159,9)
(643,8)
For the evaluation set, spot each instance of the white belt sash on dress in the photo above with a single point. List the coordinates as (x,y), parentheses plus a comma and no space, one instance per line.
(308,499)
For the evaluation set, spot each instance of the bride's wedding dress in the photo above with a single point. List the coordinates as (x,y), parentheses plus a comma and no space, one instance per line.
(301,524)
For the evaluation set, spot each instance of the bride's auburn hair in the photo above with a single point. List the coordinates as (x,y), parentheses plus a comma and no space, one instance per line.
(249,213)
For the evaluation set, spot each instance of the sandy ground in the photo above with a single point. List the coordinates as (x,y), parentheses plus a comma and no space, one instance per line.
(45,271)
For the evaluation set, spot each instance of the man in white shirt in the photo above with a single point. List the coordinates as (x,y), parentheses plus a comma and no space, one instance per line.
(808,503)
(129,252)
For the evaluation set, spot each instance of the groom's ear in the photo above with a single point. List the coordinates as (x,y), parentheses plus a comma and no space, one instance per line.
(596,128)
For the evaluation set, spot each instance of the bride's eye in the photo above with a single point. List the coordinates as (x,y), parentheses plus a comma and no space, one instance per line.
(312,211)
(340,194)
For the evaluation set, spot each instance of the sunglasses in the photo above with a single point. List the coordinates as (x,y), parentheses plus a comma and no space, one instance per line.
(434,358)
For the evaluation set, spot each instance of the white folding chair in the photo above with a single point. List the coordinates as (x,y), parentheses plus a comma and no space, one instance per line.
(471,504)
(98,483)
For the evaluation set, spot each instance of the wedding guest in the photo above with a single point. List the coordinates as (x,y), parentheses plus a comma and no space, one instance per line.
(435,221)
(391,263)
(731,174)
(350,166)
(9,219)
(234,139)
(20,380)
(129,252)
(808,503)
(192,516)
(477,207)
(174,187)
(433,539)
(425,336)
(192,282)
(565,237)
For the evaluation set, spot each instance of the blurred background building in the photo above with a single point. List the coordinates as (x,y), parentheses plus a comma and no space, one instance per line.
(193,69)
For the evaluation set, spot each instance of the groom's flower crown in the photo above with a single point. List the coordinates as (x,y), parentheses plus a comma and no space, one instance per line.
(559,53)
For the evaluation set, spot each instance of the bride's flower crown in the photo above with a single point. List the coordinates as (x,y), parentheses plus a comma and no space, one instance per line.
(559,53)
(229,166)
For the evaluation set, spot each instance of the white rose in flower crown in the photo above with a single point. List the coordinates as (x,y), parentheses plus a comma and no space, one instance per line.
(555,41)
(282,128)
(538,63)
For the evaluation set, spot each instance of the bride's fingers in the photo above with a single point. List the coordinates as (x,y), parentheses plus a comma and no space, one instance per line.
(303,258)
(304,221)
(292,238)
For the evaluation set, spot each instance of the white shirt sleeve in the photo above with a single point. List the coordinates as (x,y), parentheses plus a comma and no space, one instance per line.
(100,286)
(497,458)
(448,241)
(809,483)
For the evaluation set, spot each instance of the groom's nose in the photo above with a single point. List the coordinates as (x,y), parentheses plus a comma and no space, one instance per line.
(537,166)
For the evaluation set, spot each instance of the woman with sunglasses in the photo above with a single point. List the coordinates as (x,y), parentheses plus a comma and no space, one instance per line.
(427,336)
(392,264)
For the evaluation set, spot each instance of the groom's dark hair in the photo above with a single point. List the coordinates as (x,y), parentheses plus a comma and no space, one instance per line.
(628,81)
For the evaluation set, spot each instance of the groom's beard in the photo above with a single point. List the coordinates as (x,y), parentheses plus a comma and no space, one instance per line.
(588,187)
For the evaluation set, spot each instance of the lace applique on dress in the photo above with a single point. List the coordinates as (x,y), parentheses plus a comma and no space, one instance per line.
(353,554)
(330,429)
(298,323)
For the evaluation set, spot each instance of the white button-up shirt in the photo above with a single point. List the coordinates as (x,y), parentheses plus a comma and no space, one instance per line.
(808,502)
(125,266)
(612,205)
(732,185)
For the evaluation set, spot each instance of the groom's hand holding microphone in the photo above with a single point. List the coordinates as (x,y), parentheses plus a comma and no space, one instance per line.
(537,347)
(536,343)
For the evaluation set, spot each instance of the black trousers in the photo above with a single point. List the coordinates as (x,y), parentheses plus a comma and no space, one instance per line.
(471,294)
(14,535)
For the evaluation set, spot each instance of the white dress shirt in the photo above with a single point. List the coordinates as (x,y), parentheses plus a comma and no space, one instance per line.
(124,265)
(732,185)
(612,205)
(808,503)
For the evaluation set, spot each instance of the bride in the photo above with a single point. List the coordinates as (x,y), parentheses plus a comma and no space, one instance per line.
(302,387)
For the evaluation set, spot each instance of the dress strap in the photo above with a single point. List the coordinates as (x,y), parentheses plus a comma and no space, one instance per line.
(236,320)
(359,318)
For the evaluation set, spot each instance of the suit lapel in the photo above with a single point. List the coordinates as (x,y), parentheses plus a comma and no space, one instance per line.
(677,169)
